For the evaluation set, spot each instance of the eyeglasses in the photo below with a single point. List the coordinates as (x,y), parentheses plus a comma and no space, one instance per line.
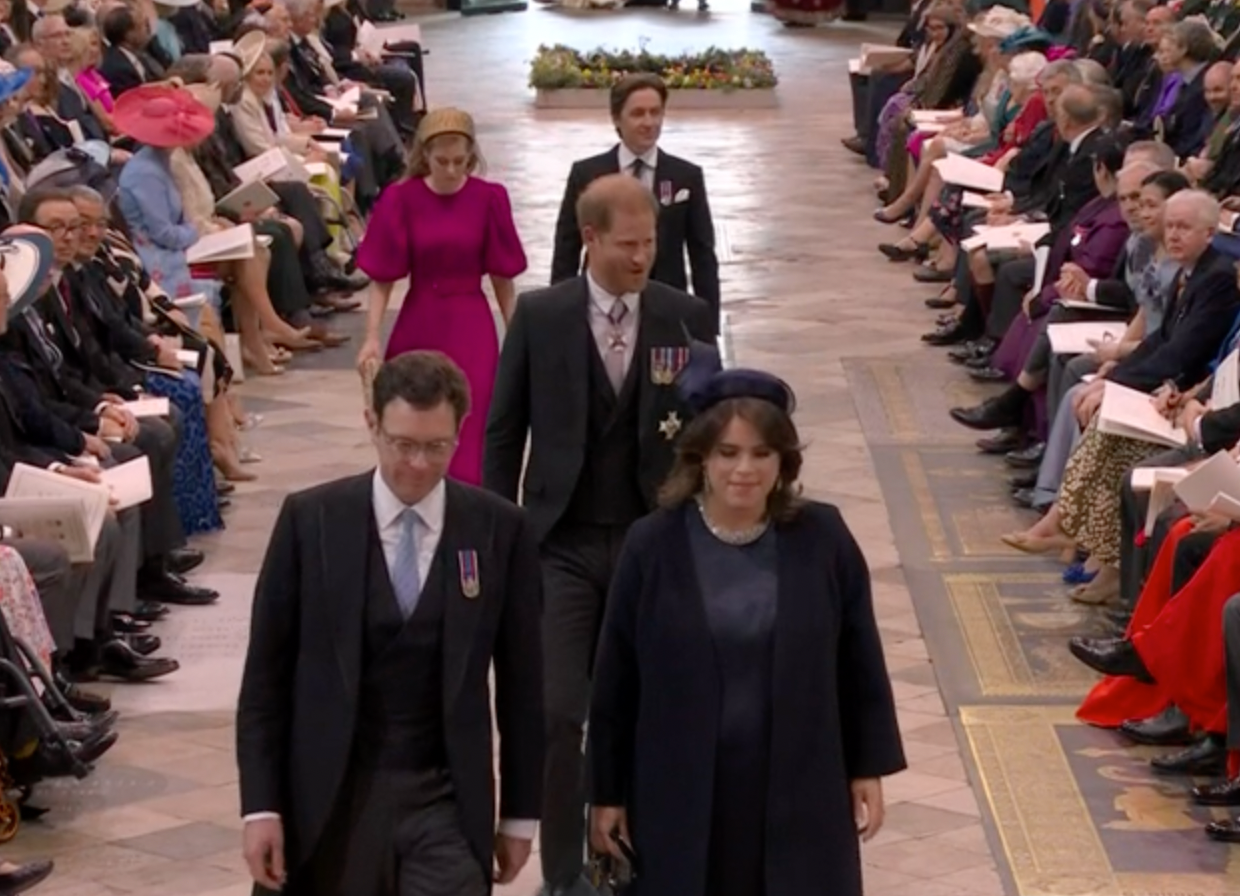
(59,228)
(407,449)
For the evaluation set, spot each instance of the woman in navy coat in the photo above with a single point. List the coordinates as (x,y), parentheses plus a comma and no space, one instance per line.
(742,717)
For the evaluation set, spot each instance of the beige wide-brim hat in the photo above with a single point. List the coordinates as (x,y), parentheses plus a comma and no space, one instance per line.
(999,22)
(207,94)
(250,49)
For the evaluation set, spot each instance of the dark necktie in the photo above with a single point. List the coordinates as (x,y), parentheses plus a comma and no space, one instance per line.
(638,168)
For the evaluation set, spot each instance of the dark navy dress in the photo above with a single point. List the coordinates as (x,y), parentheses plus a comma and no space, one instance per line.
(739,589)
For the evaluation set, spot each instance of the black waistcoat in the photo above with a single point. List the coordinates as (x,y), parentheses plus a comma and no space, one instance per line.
(608,492)
(400,711)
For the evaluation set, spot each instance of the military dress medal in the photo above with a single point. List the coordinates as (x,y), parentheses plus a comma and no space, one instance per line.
(467,563)
(666,364)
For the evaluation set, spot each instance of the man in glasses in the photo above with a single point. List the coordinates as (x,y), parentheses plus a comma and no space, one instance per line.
(364,723)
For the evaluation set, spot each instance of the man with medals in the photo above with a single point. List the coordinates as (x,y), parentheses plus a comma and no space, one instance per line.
(364,728)
(586,374)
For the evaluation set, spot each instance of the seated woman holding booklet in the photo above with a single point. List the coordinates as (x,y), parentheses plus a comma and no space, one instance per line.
(943,200)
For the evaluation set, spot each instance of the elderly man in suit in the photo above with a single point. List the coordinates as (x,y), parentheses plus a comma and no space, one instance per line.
(638,103)
(364,723)
(586,373)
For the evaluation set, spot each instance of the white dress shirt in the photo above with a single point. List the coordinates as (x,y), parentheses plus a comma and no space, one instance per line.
(650,161)
(601,302)
(429,529)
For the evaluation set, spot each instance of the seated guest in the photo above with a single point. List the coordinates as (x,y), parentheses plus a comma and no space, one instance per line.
(871,90)
(222,152)
(151,201)
(108,584)
(1180,115)
(51,37)
(85,54)
(153,363)
(338,30)
(41,125)
(1087,513)
(39,334)
(126,63)
(947,82)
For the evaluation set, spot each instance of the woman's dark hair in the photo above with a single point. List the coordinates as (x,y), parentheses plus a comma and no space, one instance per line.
(702,436)
(1109,153)
(117,23)
(1168,182)
(21,20)
(422,379)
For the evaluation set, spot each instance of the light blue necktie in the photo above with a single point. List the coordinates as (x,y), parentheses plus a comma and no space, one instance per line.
(406,581)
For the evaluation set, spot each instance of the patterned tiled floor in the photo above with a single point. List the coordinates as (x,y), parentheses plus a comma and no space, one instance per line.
(805,290)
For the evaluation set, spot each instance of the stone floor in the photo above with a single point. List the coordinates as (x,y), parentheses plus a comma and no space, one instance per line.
(804,289)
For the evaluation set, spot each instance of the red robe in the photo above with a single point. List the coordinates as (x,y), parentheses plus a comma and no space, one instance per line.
(1179,639)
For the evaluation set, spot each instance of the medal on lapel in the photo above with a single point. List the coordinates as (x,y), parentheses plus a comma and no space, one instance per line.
(665,192)
(670,425)
(666,364)
(467,563)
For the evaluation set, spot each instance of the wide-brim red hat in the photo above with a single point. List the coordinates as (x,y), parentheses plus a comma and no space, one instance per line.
(163,116)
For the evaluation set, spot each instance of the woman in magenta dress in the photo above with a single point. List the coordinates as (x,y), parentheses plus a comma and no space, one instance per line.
(445,229)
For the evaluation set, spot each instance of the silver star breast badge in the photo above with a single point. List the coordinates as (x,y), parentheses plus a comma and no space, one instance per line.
(670,425)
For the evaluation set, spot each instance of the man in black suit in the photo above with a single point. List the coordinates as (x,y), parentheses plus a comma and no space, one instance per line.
(364,722)
(638,103)
(586,373)
(126,64)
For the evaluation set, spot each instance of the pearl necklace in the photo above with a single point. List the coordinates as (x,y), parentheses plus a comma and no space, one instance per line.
(736,537)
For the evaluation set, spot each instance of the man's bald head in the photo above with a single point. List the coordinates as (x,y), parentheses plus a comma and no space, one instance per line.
(609,195)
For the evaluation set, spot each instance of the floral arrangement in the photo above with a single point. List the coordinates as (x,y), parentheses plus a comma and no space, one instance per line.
(560,67)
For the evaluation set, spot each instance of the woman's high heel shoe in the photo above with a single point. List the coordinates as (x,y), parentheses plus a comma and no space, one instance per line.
(901,252)
(1036,544)
(230,468)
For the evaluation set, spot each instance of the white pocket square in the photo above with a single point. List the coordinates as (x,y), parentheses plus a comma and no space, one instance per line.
(682,196)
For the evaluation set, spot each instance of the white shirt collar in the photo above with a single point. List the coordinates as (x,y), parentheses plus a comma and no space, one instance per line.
(603,300)
(627,157)
(1077,140)
(388,507)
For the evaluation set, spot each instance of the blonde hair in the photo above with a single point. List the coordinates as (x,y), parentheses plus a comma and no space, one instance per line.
(419,162)
(79,44)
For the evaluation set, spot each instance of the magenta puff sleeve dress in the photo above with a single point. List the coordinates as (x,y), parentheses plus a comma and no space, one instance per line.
(445,245)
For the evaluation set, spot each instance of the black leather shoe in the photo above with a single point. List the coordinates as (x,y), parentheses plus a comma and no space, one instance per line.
(1005,441)
(171,589)
(1027,479)
(953,334)
(981,362)
(143,645)
(1110,657)
(83,701)
(974,348)
(1169,728)
(149,611)
(127,624)
(1207,757)
(990,414)
(24,876)
(182,560)
(119,660)
(1224,831)
(1221,793)
(1029,458)
(987,375)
